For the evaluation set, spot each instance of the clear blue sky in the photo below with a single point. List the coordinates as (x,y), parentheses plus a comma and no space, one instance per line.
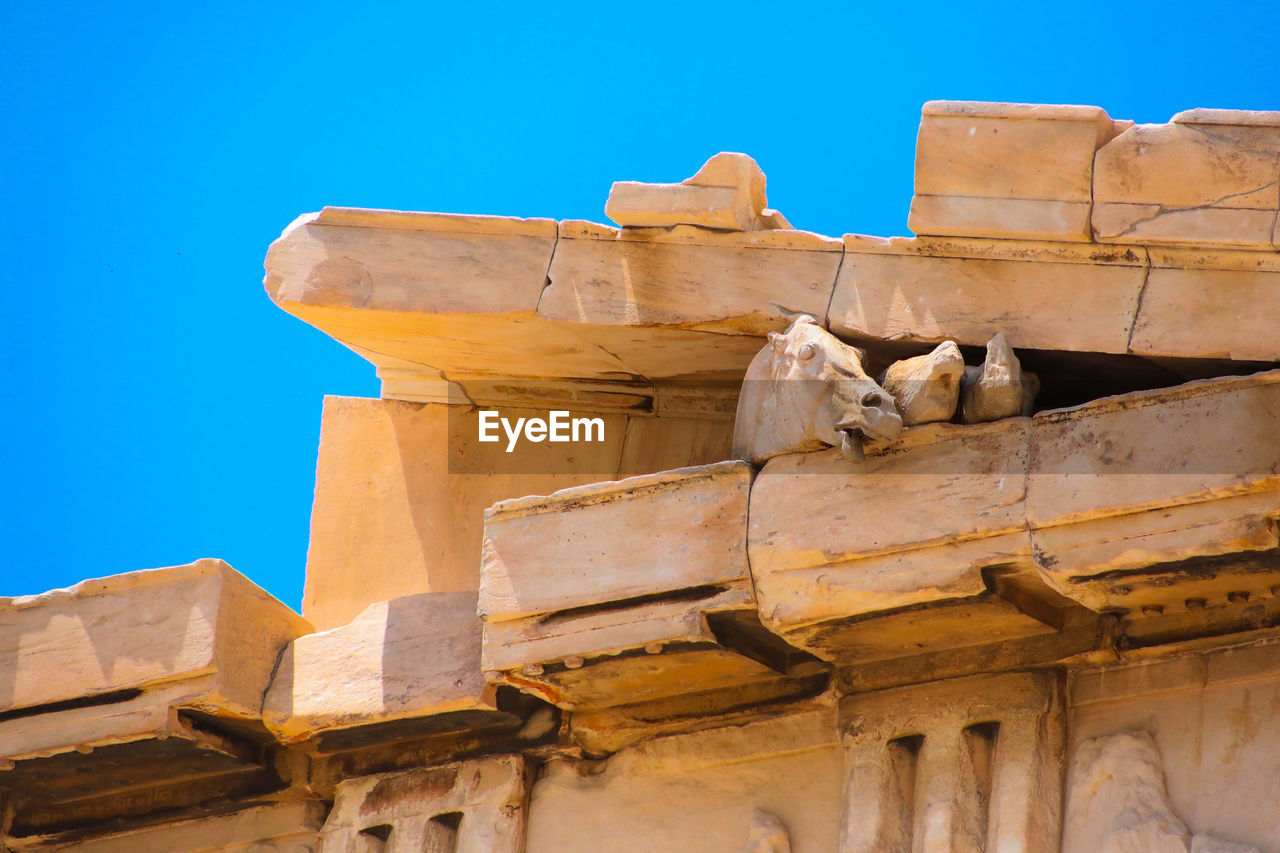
(159,408)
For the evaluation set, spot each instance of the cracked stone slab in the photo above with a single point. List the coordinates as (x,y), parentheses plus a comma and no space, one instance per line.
(1208,177)
(1015,171)
(1210,304)
(968,290)
(689,277)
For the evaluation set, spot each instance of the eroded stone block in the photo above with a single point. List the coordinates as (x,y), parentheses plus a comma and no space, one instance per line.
(467,806)
(1013,171)
(695,791)
(401,490)
(968,291)
(728,192)
(823,568)
(1127,492)
(1208,177)
(926,388)
(1116,800)
(998,388)
(201,637)
(413,656)
(688,276)
(1214,717)
(964,764)
(625,592)
(1210,303)
(409,262)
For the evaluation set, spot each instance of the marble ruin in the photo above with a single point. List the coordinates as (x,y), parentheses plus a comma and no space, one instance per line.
(968,541)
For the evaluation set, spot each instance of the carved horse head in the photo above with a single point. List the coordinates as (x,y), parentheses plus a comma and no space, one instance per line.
(806,390)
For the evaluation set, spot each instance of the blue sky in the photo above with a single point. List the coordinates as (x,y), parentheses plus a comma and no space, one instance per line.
(158,408)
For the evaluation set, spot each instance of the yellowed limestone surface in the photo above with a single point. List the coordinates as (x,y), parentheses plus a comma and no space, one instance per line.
(1208,177)
(823,580)
(1015,171)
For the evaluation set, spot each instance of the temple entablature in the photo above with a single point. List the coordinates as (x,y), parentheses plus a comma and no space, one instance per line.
(699,531)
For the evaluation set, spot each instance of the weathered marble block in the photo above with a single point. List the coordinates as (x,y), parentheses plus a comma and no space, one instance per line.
(465,807)
(1014,171)
(1161,497)
(728,192)
(1208,177)
(623,592)
(416,657)
(968,290)
(1210,303)
(1157,499)
(138,692)
(689,277)
(1210,720)
(848,582)
(134,648)
(964,764)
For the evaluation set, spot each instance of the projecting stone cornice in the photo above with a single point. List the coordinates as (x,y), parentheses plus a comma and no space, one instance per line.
(1128,522)
(1182,271)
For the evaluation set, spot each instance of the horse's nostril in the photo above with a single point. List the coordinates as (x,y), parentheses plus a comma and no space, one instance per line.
(872,400)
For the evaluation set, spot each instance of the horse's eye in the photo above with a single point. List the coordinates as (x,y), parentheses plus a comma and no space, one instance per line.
(806,351)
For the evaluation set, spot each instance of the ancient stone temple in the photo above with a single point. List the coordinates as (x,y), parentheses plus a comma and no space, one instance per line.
(706,533)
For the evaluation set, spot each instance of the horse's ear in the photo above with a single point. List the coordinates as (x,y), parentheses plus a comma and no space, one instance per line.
(773,338)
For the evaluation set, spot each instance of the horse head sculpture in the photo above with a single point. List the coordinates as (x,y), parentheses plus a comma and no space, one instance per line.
(807,390)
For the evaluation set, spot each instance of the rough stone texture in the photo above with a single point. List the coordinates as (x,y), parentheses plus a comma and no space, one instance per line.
(807,390)
(411,656)
(728,192)
(768,834)
(200,636)
(409,262)
(817,556)
(583,592)
(966,764)
(287,827)
(968,290)
(1117,802)
(1214,717)
(1116,799)
(998,388)
(1210,303)
(1208,177)
(615,541)
(926,389)
(687,276)
(695,791)
(1123,483)
(465,807)
(418,483)
(1014,171)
